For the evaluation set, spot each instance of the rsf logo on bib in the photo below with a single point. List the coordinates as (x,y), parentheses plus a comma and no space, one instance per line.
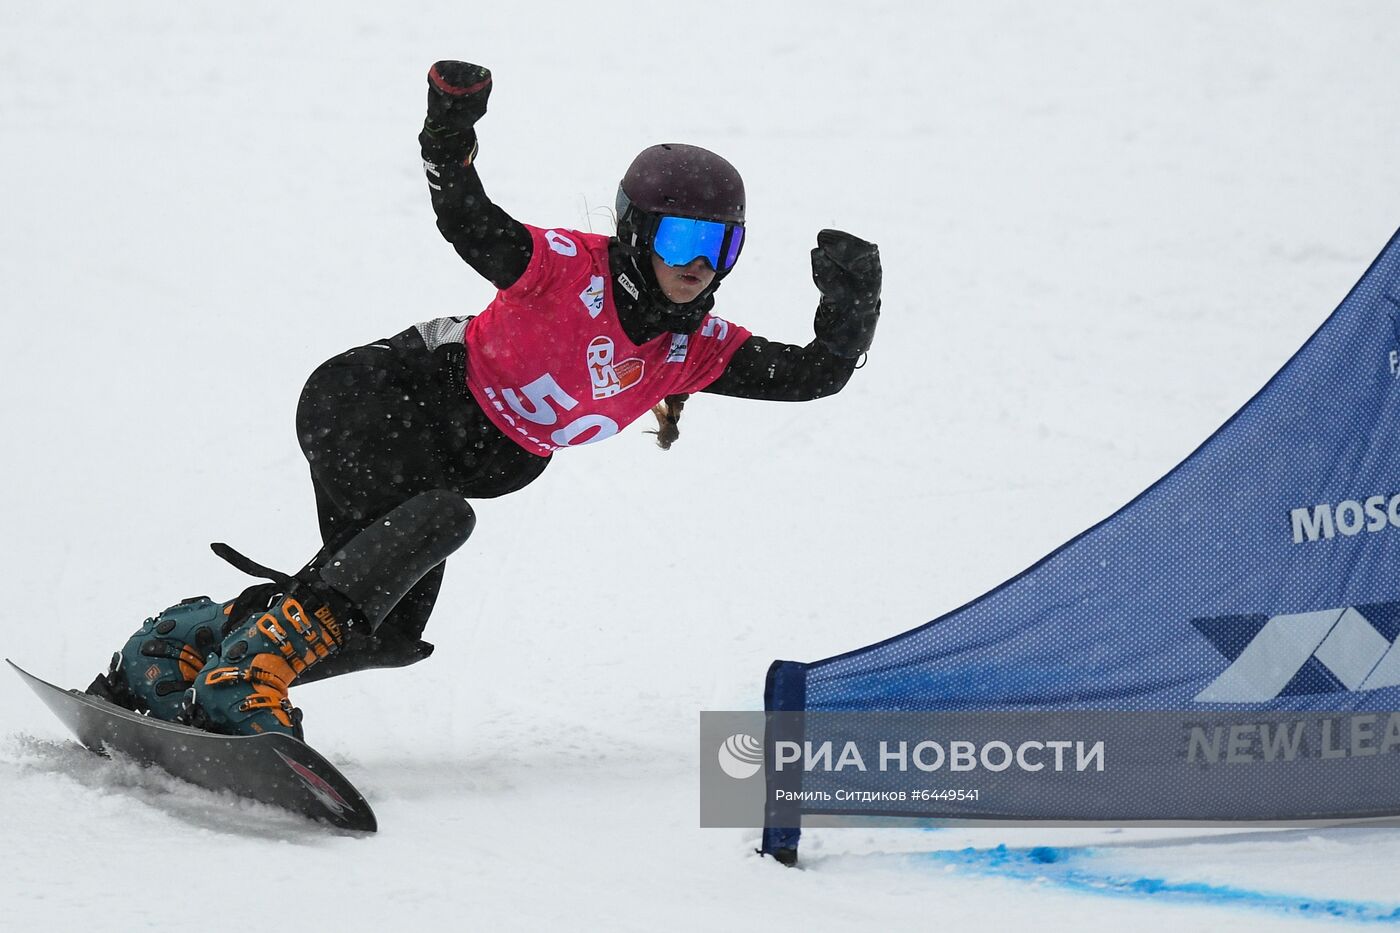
(609,378)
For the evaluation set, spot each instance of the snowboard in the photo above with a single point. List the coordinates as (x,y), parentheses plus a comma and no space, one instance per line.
(270,768)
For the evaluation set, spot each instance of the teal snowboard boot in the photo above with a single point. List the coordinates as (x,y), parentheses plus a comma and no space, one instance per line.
(155,667)
(242,687)
(301,619)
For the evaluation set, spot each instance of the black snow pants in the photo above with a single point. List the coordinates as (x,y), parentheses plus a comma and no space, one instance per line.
(380,424)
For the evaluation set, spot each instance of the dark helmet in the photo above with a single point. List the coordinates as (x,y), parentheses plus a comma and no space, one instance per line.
(688,181)
(676,180)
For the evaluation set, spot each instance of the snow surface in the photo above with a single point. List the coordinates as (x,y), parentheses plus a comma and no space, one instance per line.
(1104,225)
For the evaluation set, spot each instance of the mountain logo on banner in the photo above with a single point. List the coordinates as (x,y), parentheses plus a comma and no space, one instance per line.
(1328,651)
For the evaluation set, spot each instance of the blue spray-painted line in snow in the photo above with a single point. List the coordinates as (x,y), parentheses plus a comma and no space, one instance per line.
(1057,866)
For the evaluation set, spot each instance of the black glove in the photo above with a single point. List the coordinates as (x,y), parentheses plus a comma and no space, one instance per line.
(847,272)
(457,93)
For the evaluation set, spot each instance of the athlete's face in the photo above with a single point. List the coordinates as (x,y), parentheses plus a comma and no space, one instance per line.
(683,284)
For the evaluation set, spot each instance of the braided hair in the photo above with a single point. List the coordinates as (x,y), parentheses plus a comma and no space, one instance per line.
(668,413)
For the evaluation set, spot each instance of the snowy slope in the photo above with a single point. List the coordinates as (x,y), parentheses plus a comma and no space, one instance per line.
(1104,226)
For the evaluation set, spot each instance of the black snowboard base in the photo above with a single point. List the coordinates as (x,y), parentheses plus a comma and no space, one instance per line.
(272,768)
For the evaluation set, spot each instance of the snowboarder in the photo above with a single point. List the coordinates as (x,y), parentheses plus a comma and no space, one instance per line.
(586,334)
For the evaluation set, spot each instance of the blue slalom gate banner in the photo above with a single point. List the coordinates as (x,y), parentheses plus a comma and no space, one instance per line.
(1261,575)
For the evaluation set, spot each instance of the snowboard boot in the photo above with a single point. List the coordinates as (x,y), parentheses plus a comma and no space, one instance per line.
(346,591)
(242,687)
(155,667)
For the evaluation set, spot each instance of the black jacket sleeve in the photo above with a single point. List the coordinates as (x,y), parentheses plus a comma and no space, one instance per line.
(782,372)
(492,242)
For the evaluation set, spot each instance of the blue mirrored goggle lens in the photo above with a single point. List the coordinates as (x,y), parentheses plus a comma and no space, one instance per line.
(679,240)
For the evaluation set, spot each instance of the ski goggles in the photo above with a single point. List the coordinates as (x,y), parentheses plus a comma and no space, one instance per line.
(679,240)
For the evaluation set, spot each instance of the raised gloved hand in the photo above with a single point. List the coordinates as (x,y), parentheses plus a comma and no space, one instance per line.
(847,272)
(457,94)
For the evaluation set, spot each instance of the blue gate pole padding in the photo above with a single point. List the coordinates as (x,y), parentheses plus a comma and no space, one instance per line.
(784,692)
